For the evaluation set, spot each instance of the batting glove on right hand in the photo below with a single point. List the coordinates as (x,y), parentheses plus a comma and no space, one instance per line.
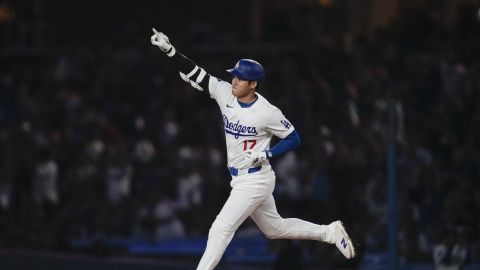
(161,41)
(254,159)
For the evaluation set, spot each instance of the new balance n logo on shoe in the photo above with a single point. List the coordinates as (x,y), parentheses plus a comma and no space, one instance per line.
(342,240)
(344,243)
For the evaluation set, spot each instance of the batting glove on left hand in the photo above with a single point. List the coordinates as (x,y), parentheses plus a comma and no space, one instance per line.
(160,40)
(254,158)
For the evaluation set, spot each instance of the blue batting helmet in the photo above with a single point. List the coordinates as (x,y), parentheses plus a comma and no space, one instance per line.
(248,70)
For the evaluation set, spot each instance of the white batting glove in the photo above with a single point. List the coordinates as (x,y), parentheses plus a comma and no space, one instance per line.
(161,41)
(254,159)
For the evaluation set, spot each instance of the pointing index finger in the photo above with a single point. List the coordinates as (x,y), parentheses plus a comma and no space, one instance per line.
(155,30)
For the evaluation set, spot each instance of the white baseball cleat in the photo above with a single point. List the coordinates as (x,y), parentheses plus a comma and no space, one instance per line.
(341,239)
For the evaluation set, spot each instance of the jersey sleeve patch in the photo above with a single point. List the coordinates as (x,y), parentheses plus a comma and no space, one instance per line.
(278,124)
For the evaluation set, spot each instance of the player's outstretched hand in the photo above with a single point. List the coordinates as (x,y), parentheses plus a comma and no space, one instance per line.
(161,40)
(254,158)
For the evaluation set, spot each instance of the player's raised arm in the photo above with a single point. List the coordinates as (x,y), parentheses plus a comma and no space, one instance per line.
(189,71)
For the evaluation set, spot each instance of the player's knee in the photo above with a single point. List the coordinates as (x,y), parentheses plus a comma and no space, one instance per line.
(275,231)
(272,235)
(221,227)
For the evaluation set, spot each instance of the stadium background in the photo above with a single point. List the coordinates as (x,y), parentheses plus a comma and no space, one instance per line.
(108,160)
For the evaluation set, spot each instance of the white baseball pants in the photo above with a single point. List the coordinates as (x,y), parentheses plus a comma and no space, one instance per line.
(251,195)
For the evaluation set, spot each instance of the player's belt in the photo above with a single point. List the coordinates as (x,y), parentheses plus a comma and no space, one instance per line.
(237,172)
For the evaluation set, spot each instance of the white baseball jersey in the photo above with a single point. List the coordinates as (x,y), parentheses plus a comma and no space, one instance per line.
(247,128)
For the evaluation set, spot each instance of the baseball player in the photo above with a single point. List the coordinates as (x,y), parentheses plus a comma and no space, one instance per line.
(250,121)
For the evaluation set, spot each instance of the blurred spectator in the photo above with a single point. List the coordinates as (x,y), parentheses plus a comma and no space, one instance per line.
(189,188)
(44,181)
(288,184)
(5,195)
(118,181)
(450,253)
(167,224)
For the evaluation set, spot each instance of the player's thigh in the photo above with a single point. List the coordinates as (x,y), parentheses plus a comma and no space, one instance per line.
(239,205)
(266,215)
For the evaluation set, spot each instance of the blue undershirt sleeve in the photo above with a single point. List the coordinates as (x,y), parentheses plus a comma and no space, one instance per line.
(290,142)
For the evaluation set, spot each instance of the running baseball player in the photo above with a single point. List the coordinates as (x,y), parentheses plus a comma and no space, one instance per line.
(250,121)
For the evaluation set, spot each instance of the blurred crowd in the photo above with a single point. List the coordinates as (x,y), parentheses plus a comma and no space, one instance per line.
(104,141)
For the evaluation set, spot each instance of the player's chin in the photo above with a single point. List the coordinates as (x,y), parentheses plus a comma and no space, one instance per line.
(235,92)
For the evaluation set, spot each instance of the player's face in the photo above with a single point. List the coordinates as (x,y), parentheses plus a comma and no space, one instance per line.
(243,90)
